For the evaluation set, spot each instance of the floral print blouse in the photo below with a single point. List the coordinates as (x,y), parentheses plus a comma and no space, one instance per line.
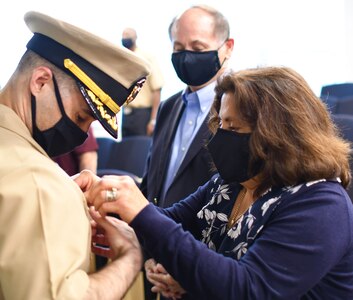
(236,240)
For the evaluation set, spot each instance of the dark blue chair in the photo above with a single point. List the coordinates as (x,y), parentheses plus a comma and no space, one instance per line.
(130,154)
(344,106)
(345,126)
(339,90)
(105,146)
(331,103)
(338,97)
(127,157)
(344,122)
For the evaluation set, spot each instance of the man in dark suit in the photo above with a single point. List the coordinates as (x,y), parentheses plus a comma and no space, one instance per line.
(179,162)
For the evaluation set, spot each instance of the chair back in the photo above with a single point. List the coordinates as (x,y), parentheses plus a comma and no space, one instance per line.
(345,126)
(130,154)
(345,106)
(125,157)
(344,122)
(331,103)
(105,147)
(339,90)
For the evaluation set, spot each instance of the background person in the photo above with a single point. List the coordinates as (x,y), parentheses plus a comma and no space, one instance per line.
(178,162)
(66,79)
(276,222)
(139,117)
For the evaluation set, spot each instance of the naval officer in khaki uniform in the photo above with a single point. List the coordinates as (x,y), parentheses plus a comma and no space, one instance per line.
(66,79)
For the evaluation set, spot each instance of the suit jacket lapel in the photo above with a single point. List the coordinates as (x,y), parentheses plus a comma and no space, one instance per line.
(170,129)
(175,115)
(199,141)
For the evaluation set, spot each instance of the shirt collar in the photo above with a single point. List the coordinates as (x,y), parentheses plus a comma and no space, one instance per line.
(204,96)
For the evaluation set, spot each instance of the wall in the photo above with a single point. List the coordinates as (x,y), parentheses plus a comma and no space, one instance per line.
(314,37)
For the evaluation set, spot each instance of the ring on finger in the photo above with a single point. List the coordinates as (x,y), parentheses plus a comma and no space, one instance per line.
(110,195)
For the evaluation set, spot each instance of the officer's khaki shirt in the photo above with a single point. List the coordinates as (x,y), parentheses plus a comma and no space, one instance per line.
(44,225)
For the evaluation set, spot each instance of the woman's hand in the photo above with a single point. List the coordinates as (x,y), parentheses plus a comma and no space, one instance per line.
(113,238)
(162,282)
(112,194)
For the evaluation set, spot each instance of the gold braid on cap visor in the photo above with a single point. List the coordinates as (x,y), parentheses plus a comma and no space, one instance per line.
(98,95)
(110,120)
(69,64)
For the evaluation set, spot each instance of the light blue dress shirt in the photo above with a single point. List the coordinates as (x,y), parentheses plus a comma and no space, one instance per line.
(197,108)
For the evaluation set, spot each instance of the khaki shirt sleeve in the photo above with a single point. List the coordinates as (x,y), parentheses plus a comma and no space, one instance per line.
(154,82)
(44,234)
(155,78)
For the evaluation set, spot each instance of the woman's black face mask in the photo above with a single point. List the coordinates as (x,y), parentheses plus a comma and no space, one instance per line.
(231,155)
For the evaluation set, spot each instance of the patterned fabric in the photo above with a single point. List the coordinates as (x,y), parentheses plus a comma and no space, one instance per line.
(235,242)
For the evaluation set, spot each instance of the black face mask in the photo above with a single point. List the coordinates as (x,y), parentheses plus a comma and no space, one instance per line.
(127,43)
(63,137)
(231,154)
(196,68)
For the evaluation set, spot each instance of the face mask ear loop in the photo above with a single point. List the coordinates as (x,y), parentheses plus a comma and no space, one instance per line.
(223,62)
(33,106)
(220,48)
(58,97)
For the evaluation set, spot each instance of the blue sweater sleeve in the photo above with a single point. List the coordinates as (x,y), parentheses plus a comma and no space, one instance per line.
(305,239)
